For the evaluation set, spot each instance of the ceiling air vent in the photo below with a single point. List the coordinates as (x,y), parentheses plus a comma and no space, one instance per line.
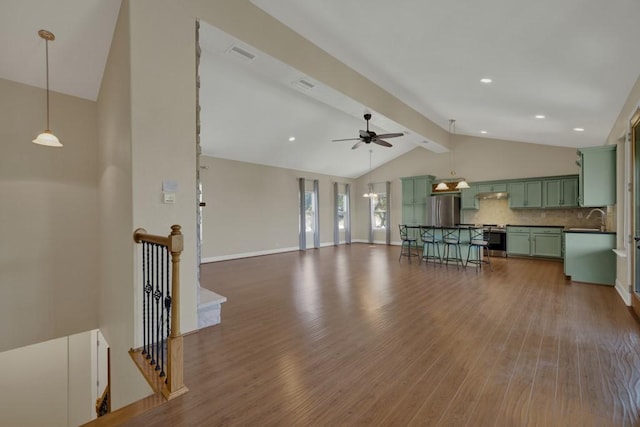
(303,84)
(241,53)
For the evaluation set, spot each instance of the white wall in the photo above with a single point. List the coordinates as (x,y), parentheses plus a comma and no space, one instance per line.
(254,208)
(48,218)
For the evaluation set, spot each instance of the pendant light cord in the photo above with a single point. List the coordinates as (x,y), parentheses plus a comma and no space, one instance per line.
(46,44)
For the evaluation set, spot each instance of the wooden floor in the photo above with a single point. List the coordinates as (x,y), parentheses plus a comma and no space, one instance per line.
(351,336)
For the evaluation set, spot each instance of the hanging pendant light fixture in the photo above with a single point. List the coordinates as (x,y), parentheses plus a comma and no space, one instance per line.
(47,137)
(462,183)
(369,192)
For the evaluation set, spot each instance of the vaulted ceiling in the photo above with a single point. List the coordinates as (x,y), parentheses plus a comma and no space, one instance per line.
(571,61)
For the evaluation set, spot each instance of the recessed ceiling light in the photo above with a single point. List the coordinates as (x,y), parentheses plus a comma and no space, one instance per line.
(486,80)
(540,116)
(292,138)
(483,131)
(579,129)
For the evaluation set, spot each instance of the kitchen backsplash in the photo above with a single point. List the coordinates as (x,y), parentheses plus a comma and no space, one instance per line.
(497,211)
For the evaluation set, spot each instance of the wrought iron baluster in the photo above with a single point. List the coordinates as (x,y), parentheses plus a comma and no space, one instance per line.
(160,285)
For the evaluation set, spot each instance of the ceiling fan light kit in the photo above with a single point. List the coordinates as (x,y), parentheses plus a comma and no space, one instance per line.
(369,136)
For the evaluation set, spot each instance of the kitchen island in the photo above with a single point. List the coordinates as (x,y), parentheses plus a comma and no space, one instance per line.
(589,257)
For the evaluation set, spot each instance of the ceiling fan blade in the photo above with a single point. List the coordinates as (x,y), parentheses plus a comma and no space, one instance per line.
(348,139)
(382,142)
(356,145)
(390,135)
(364,134)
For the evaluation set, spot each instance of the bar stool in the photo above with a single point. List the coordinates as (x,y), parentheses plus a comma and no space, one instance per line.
(430,241)
(407,242)
(451,239)
(479,244)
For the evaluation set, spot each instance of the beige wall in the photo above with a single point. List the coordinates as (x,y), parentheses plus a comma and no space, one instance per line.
(476,159)
(116,225)
(163,131)
(625,275)
(48,254)
(253,208)
(48,383)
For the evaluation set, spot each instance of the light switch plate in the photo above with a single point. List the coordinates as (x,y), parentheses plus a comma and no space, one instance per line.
(169,198)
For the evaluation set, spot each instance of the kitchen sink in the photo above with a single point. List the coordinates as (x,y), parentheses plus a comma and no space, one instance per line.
(582,229)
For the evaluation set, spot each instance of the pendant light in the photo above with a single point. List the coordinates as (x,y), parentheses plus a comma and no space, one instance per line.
(47,137)
(370,192)
(462,183)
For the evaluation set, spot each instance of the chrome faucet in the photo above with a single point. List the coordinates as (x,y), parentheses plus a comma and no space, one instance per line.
(602,217)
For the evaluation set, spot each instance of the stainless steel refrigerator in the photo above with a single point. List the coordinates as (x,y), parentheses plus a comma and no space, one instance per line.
(445,210)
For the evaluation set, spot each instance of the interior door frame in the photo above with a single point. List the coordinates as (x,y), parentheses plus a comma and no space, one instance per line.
(634,141)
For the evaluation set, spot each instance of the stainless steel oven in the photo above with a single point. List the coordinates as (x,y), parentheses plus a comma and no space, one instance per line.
(497,238)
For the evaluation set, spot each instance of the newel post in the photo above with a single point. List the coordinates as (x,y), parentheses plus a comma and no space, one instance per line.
(175,370)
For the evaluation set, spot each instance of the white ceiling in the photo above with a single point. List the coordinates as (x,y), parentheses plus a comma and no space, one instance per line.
(572,60)
(77,57)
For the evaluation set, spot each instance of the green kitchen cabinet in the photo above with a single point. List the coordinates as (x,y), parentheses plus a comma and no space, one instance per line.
(493,187)
(597,176)
(415,199)
(561,192)
(534,241)
(469,199)
(546,242)
(589,257)
(518,240)
(525,194)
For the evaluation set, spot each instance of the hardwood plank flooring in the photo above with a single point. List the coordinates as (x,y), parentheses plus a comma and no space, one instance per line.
(350,336)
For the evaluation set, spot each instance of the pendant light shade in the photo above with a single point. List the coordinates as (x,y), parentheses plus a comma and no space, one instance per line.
(47,137)
(369,193)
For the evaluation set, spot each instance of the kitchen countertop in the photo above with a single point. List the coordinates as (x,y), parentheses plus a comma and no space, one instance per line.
(526,225)
(588,231)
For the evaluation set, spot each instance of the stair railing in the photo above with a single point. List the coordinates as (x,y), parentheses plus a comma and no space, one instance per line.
(161,357)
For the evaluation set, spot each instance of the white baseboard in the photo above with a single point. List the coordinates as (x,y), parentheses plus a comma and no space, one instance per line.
(257,253)
(623,292)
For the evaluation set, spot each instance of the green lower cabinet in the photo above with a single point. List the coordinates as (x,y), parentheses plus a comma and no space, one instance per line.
(546,245)
(588,257)
(518,244)
(535,241)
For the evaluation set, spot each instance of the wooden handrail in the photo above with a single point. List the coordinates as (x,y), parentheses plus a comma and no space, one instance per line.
(174,385)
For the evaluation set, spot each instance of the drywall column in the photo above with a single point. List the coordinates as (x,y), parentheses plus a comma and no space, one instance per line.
(303,227)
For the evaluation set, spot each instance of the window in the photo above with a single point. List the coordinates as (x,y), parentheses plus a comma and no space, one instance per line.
(342,209)
(309,211)
(379,211)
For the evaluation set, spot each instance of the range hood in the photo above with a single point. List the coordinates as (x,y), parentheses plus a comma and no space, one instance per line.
(494,196)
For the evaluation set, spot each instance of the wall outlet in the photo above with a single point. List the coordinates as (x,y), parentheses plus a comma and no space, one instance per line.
(580,215)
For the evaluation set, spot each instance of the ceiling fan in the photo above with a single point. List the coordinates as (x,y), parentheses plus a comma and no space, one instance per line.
(369,136)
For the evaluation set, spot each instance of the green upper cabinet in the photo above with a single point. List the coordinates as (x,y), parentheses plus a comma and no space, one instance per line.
(469,199)
(496,187)
(561,192)
(415,199)
(407,191)
(597,176)
(421,190)
(525,194)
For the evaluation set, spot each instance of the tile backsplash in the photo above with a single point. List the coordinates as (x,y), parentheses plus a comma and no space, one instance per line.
(497,211)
